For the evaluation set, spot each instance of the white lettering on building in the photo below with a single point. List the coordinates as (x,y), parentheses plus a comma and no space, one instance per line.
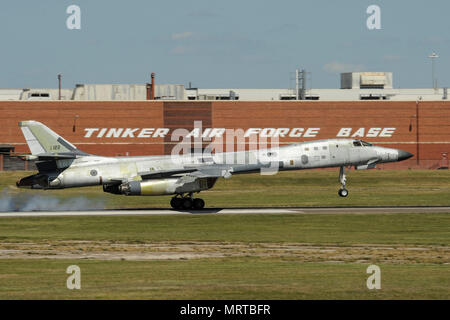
(129,133)
(370,133)
(115,133)
(209,133)
(373,132)
(387,132)
(311,132)
(161,133)
(344,132)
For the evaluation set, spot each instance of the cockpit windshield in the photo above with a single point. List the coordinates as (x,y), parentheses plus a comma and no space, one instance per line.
(360,143)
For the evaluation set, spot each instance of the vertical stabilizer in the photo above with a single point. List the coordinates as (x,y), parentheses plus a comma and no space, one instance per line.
(41,139)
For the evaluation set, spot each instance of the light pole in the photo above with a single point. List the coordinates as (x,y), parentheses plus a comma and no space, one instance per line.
(433,56)
(59,86)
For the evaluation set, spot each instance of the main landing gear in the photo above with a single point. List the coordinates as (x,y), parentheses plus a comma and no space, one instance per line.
(342,179)
(181,202)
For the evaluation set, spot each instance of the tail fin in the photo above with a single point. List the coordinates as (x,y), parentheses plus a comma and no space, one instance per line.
(41,139)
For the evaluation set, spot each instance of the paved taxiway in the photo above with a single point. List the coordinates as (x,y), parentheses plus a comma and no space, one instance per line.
(279,210)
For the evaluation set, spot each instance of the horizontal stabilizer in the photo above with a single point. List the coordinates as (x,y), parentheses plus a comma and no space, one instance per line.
(163,173)
(41,156)
(56,156)
(213,171)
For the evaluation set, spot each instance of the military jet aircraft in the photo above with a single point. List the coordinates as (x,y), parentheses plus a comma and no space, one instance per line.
(62,165)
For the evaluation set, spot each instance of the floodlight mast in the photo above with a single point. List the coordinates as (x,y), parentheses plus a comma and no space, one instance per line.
(433,57)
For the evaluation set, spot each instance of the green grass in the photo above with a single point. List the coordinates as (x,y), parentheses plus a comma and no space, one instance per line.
(245,277)
(236,278)
(284,277)
(295,188)
(401,228)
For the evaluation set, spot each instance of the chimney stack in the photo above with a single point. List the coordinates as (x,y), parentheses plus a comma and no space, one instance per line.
(150,88)
(153,86)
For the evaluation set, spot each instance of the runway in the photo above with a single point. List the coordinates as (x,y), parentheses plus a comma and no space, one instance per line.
(228,211)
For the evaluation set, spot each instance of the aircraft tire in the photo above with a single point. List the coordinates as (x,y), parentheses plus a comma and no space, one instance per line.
(176,203)
(198,204)
(343,192)
(186,203)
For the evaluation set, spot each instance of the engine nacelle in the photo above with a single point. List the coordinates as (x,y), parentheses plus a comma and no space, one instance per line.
(165,186)
(112,188)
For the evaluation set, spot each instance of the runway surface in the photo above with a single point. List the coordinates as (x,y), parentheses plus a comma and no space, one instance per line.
(277,210)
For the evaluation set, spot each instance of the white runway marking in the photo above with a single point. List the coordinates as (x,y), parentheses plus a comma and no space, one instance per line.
(143,212)
(295,210)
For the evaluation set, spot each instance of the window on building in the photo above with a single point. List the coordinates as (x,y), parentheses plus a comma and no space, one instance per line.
(287,98)
(371,86)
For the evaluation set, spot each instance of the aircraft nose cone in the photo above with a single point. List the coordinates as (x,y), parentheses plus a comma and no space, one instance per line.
(403,155)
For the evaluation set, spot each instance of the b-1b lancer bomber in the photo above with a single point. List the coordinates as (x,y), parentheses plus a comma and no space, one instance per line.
(62,165)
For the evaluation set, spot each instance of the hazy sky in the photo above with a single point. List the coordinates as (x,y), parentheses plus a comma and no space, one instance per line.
(221,44)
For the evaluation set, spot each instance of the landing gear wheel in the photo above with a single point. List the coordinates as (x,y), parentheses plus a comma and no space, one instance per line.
(342,179)
(343,192)
(198,204)
(186,203)
(176,202)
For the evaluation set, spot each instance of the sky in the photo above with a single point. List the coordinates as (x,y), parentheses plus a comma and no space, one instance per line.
(221,44)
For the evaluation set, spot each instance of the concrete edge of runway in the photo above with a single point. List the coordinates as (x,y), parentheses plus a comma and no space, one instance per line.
(227,211)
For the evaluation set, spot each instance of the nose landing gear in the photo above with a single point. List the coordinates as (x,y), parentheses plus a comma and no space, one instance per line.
(180,202)
(343,192)
(342,179)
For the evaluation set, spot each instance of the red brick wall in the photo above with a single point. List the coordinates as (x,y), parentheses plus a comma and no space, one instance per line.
(429,137)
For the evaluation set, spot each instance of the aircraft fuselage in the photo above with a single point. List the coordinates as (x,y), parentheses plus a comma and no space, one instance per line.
(93,170)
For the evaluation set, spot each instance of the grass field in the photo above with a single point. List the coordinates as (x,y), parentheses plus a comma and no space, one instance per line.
(227,257)
(211,256)
(230,278)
